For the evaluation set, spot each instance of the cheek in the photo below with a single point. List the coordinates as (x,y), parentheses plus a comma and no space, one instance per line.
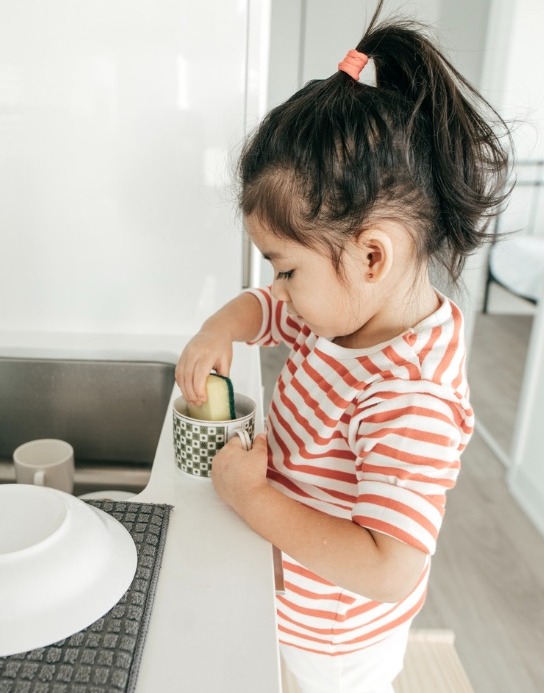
(352,309)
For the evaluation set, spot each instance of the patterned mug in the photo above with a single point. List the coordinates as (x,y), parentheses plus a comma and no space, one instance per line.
(196,442)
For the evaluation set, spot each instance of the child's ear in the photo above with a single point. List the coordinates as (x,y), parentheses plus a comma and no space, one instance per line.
(377,252)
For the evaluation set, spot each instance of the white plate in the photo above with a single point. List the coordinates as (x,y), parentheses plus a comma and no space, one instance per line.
(112,494)
(63,565)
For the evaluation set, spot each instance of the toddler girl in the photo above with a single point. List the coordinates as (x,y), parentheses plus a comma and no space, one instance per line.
(351,191)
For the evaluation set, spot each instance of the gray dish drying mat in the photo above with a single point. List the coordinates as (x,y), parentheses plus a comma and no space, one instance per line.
(105,657)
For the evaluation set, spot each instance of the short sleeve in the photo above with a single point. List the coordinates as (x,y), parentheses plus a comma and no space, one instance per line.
(408,448)
(277,325)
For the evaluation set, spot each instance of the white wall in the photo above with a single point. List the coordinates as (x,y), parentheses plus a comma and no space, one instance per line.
(514,73)
(117,125)
(310,37)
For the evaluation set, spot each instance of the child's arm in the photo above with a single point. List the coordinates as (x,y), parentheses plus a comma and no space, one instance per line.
(211,348)
(374,565)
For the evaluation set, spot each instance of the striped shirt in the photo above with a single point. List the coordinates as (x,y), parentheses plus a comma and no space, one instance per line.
(370,435)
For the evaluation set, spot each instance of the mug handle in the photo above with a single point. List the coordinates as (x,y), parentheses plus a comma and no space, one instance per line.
(244,437)
(39,478)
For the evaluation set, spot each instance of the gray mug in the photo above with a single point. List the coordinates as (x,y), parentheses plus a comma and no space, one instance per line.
(45,462)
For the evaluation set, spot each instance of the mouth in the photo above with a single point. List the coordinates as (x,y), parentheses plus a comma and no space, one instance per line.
(293,313)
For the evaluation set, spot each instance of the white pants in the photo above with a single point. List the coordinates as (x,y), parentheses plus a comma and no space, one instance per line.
(371,670)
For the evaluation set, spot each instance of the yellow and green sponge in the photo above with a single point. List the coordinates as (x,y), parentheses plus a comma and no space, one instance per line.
(219,405)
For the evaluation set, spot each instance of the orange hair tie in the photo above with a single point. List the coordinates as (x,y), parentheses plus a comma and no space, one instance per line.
(353,63)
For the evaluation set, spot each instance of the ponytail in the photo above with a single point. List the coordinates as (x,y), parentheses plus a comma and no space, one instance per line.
(466,162)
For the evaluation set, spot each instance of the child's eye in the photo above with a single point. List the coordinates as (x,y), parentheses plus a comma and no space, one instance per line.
(285,275)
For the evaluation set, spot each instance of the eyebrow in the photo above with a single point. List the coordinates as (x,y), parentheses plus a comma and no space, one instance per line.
(272,256)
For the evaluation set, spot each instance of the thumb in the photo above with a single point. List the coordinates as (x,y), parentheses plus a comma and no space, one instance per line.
(260,442)
(222,367)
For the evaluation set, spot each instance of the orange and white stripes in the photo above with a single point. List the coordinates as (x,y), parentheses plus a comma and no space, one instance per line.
(371,435)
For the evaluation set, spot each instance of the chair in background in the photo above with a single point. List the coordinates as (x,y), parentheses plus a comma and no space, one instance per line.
(516,259)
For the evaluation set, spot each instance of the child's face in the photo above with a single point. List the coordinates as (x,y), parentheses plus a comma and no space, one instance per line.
(307,281)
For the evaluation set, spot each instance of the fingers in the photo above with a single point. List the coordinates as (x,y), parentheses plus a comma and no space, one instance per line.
(236,442)
(258,444)
(203,354)
(192,383)
(198,382)
(191,379)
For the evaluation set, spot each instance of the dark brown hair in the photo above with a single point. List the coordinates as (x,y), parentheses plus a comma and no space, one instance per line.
(418,147)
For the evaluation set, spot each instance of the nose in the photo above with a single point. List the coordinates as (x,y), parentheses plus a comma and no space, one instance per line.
(279,290)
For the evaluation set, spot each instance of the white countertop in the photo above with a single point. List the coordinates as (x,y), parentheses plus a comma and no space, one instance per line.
(213,624)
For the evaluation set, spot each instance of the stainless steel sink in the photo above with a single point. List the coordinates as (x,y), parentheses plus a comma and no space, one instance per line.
(110,411)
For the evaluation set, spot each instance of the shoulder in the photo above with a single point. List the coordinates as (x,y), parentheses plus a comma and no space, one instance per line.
(425,364)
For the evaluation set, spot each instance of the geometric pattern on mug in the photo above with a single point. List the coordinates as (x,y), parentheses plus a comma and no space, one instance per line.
(196,445)
(203,442)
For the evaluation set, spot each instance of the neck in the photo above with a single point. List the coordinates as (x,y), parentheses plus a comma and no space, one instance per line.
(397,312)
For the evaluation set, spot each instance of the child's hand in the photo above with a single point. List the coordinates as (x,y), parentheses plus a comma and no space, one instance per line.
(206,351)
(237,475)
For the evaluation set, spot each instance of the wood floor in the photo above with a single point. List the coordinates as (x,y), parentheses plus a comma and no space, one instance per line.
(487,579)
